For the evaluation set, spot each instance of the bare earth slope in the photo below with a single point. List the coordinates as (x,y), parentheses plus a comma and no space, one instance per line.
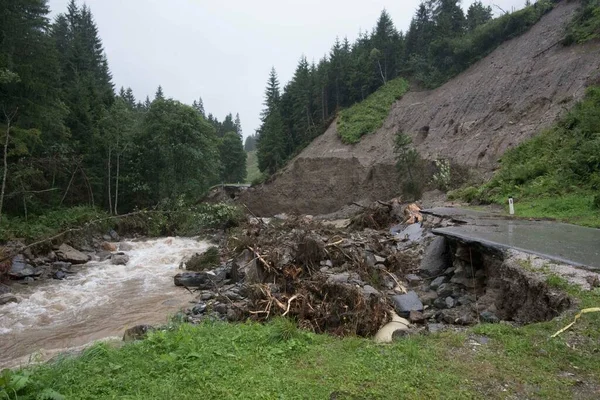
(507,97)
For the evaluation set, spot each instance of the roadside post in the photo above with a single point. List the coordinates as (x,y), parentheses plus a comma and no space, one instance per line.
(511,206)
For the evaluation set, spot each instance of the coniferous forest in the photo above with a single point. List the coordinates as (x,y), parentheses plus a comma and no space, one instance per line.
(69,137)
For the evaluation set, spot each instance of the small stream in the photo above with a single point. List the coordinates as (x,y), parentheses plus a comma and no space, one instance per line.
(99,302)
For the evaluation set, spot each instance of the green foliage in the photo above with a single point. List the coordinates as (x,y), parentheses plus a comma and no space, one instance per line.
(368,116)
(586,23)
(555,174)
(201,262)
(180,156)
(443,176)
(51,223)
(233,158)
(20,385)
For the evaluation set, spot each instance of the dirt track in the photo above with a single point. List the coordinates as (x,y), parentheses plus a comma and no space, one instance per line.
(507,97)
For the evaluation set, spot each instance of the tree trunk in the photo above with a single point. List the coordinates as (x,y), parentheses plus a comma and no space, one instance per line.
(117,183)
(110,208)
(381,72)
(5,173)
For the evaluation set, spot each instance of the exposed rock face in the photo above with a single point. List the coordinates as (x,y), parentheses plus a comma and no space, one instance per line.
(508,97)
(68,254)
(8,298)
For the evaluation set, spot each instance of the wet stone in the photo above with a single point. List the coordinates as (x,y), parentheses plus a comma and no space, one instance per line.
(119,259)
(489,317)
(8,298)
(439,303)
(405,303)
(437,282)
(199,308)
(445,290)
(435,328)
(449,302)
(413,280)
(416,317)
(60,275)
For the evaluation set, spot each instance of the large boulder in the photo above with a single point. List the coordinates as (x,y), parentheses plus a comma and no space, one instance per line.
(436,258)
(119,259)
(68,254)
(20,269)
(203,280)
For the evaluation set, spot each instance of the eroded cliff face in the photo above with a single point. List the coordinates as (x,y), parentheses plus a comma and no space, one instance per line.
(517,91)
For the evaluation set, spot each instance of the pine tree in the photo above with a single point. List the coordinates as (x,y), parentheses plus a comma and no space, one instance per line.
(233,158)
(478,14)
(199,106)
(238,125)
(159,95)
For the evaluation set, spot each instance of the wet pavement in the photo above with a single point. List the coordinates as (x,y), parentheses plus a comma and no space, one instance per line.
(565,243)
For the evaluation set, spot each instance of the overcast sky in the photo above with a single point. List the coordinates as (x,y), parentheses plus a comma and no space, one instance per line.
(223,50)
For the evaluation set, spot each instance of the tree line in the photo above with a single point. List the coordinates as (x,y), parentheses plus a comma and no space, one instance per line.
(68,139)
(442,41)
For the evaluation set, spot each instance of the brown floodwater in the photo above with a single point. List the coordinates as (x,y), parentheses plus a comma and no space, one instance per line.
(99,302)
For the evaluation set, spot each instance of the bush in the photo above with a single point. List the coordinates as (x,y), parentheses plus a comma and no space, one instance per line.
(201,262)
(368,116)
(585,25)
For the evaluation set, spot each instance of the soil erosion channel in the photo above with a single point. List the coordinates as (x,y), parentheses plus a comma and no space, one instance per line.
(101,301)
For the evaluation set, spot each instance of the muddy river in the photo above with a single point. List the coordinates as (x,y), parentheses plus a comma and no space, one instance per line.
(99,302)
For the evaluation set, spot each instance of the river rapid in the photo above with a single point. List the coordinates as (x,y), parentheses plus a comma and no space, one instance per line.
(99,302)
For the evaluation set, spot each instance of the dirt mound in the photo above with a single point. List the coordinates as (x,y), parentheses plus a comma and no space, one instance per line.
(507,97)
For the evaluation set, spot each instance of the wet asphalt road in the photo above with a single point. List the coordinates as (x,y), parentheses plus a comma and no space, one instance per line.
(565,243)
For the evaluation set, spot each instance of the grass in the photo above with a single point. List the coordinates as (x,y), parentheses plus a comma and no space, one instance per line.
(254,173)
(277,360)
(554,175)
(586,23)
(368,116)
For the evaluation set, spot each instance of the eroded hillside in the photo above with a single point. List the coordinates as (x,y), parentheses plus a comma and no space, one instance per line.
(507,97)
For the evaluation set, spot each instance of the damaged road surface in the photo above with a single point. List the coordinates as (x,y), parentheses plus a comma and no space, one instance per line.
(565,243)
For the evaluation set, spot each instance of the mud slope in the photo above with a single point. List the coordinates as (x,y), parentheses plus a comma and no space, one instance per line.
(507,97)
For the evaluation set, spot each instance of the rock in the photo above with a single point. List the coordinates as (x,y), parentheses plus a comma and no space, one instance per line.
(413,280)
(114,235)
(65,267)
(449,302)
(106,246)
(437,282)
(339,278)
(379,259)
(465,300)
(60,275)
(106,238)
(103,255)
(119,259)
(416,317)
(138,332)
(207,296)
(69,254)
(326,264)
(440,303)
(203,280)
(28,279)
(125,246)
(199,308)
(19,268)
(489,317)
(435,328)
(445,290)
(220,308)
(369,290)
(4,289)
(405,303)
(8,298)
(435,260)
(369,259)
(429,297)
